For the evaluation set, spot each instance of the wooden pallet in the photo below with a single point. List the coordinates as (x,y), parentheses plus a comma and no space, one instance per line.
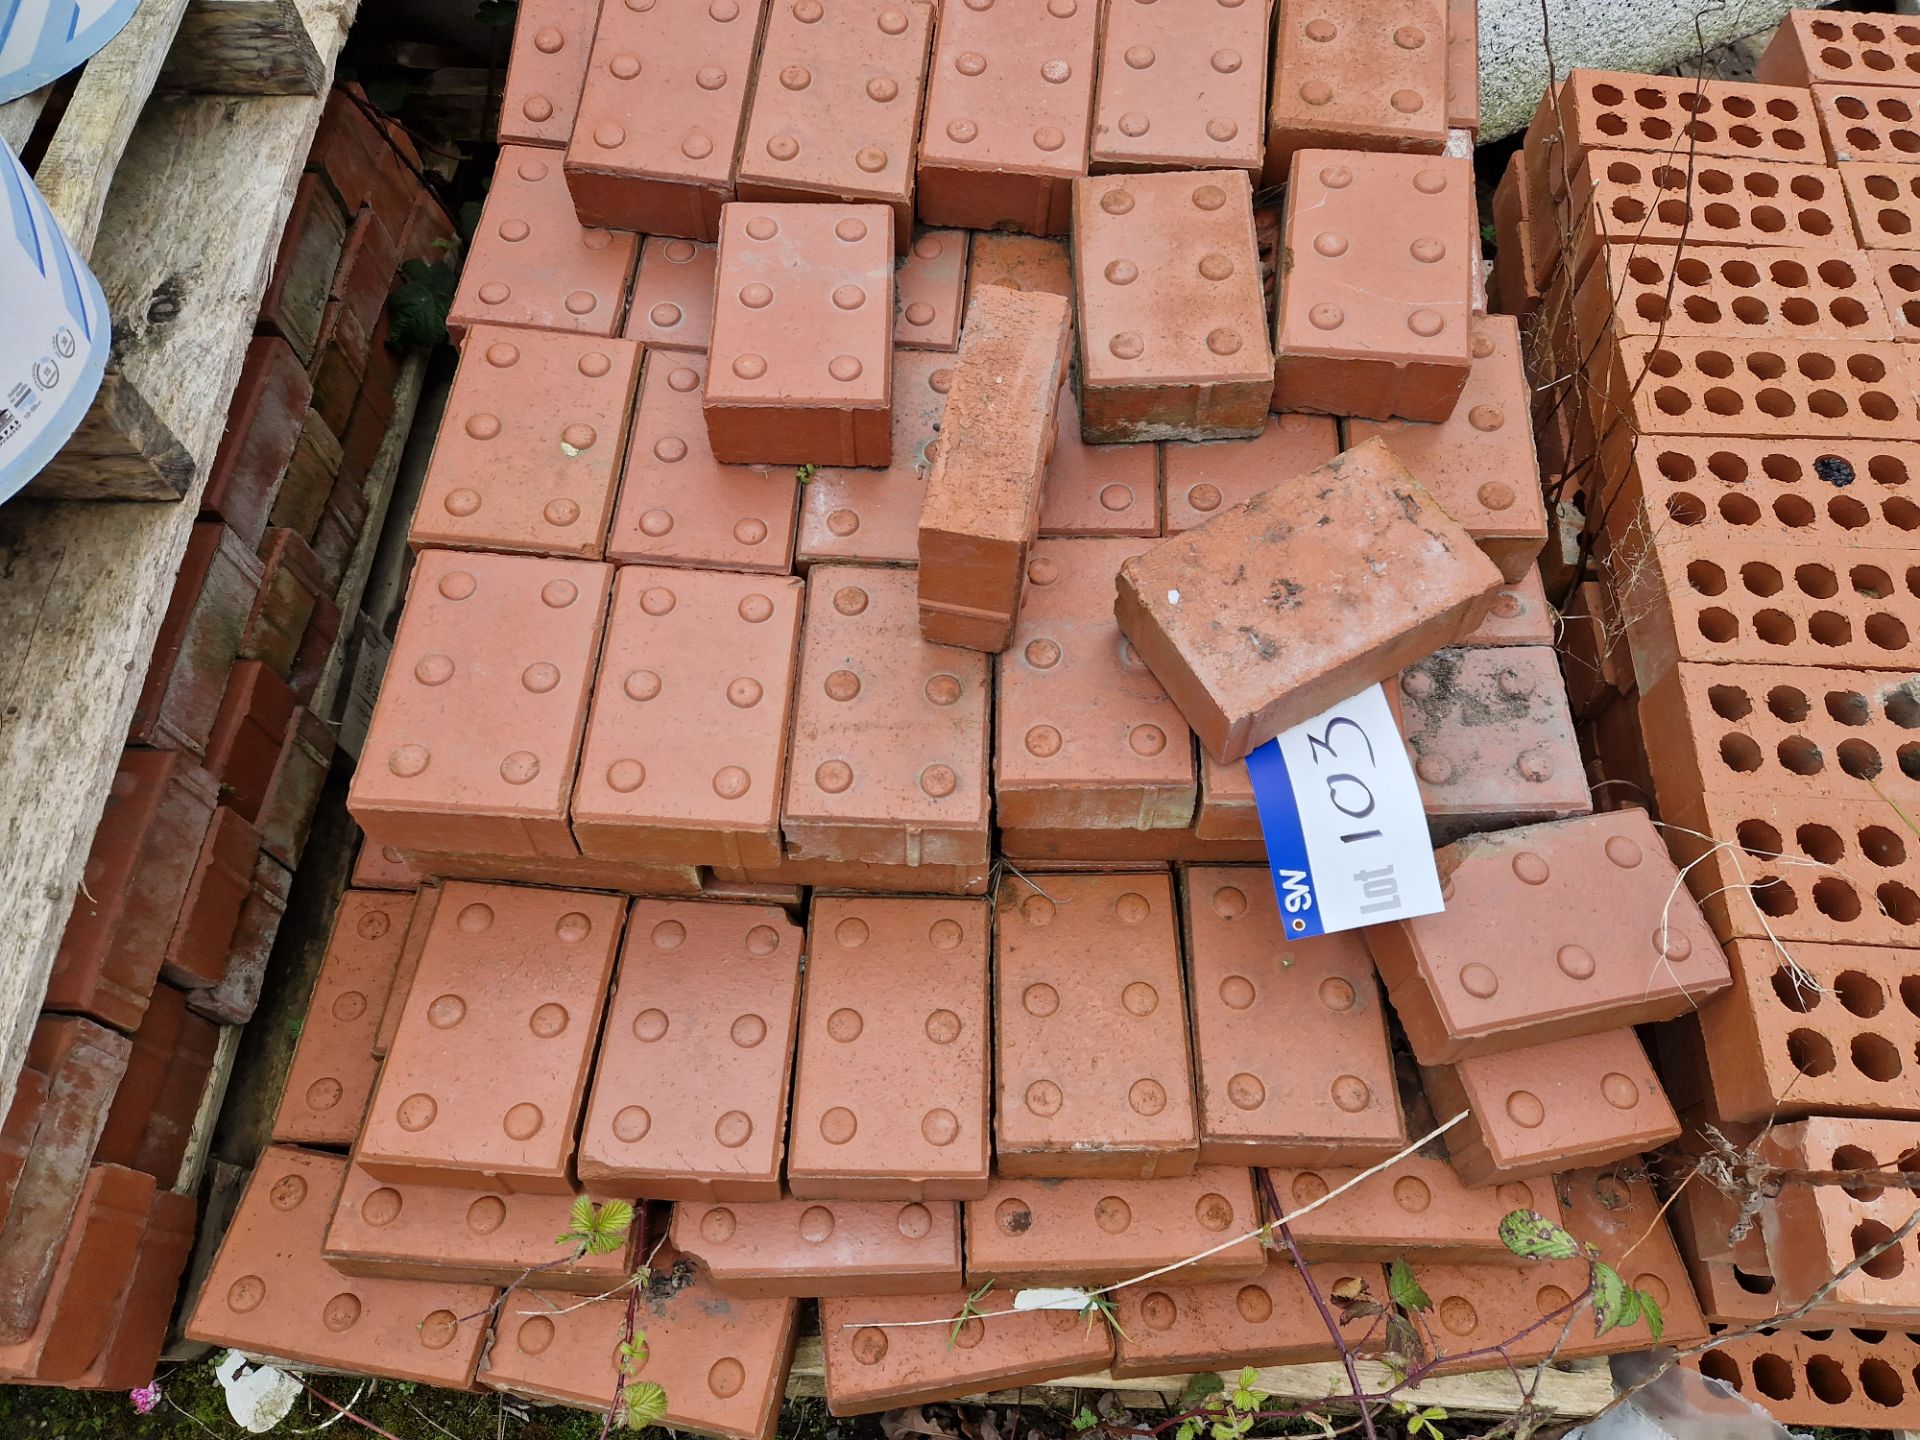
(186,236)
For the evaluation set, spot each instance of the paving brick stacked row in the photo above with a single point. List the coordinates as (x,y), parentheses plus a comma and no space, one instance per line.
(1715,281)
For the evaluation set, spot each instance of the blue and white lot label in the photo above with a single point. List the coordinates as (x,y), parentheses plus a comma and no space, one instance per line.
(41,40)
(1340,810)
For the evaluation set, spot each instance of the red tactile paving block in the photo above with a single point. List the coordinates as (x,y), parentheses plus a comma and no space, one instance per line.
(690,1091)
(1334,1100)
(1097,489)
(545,70)
(1885,201)
(1227,810)
(680,506)
(802,347)
(1418,1209)
(382,867)
(1228,652)
(836,105)
(697,668)
(1174,1327)
(1851,48)
(1102,850)
(213,592)
(1087,738)
(264,424)
(1173,342)
(890,1095)
(90,1269)
(716,885)
(558,870)
(1100,1232)
(1463,65)
(1844,1379)
(271,1291)
(1358,77)
(878,879)
(1491,739)
(1832,1039)
(1479,462)
(1867,122)
(426,903)
(531,262)
(661,112)
(196,953)
(888,760)
(1182,89)
(1598,892)
(333,1069)
(1092,1065)
(982,508)
(484,1081)
(1520,616)
(672,304)
(721,1359)
(1708,291)
(1369,321)
(1590,1100)
(808,1250)
(1813,1232)
(508,643)
(930,289)
(882,1354)
(530,444)
(233,1000)
(1204,477)
(1020,262)
(873,515)
(998,152)
(157,813)
(460,1236)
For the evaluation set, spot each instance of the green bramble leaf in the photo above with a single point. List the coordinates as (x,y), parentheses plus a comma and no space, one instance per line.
(646,1404)
(1405,1290)
(1650,1309)
(1531,1236)
(1198,1387)
(1609,1298)
(1085,1420)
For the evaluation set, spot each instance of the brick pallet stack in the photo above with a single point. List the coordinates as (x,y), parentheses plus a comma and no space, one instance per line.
(1719,288)
(210,808)
(788,564)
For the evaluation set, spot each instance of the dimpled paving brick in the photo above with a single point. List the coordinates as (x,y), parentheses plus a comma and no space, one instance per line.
(333,1069)
(1714,291)
(507,643)
(1099,850)
(1815,1232)
(697,669)
(836,106)
(930,291)
(997,151)
(722,1360)
(888,760)
(1589,1100)
(802,343)
(661,113)
(1463,65)
(1491,738)
(466,1237)
(1372,319)
(1087,739)
(1099,1232)
(1333,1100)
(968,879)
(1091,1056)
(271,1292)
(1520,616)
(1843,1379)
(381,867)
(1019,262)
(982,508)
(678,505)
(529,447)
(874,515)
(483,1083)
(1419,1209)
(881,1353)
(1479,462)
(808,1250)
(1171,1327)
(1358,77)
(1227,810)
(1203,477)
(531,262)
(1834,45)
(1173,342)
(1885,201)
(672,304)
(545,70)
(1235,656)
(1182,88)
(890,1096)
(690,1093)
(1097,489)
(1597,894)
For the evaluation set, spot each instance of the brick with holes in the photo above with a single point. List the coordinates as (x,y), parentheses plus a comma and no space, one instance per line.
(1814,1232)
(1866,122)
(1840,1379)
(1715,291)
(1885,201)
(1845,47)
(1896,273)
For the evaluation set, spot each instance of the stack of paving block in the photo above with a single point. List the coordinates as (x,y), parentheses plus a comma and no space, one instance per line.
(209,810)
(1717,282)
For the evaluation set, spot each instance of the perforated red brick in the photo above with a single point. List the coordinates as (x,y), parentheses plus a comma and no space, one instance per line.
(1182,89)
(1839,1379)
(997,151)
(1417,1209)
(545,70)
(1091,1060)
(888,761)
(873,515)
(802,341)
(1896,274)
(661,114)
(532,262)
(1716,291)
(890,1094)
(836,104)
(690,1092)
(1885,201)
(930,291)
(1097,489)
(1358,77)
(1850,48)
(808,1249)
(1204,477)
(508,643)
(1170,1327)
(484,1081)
(1813,1233)
(1867,122)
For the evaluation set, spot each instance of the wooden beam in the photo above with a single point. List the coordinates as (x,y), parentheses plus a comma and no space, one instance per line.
(243,47)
